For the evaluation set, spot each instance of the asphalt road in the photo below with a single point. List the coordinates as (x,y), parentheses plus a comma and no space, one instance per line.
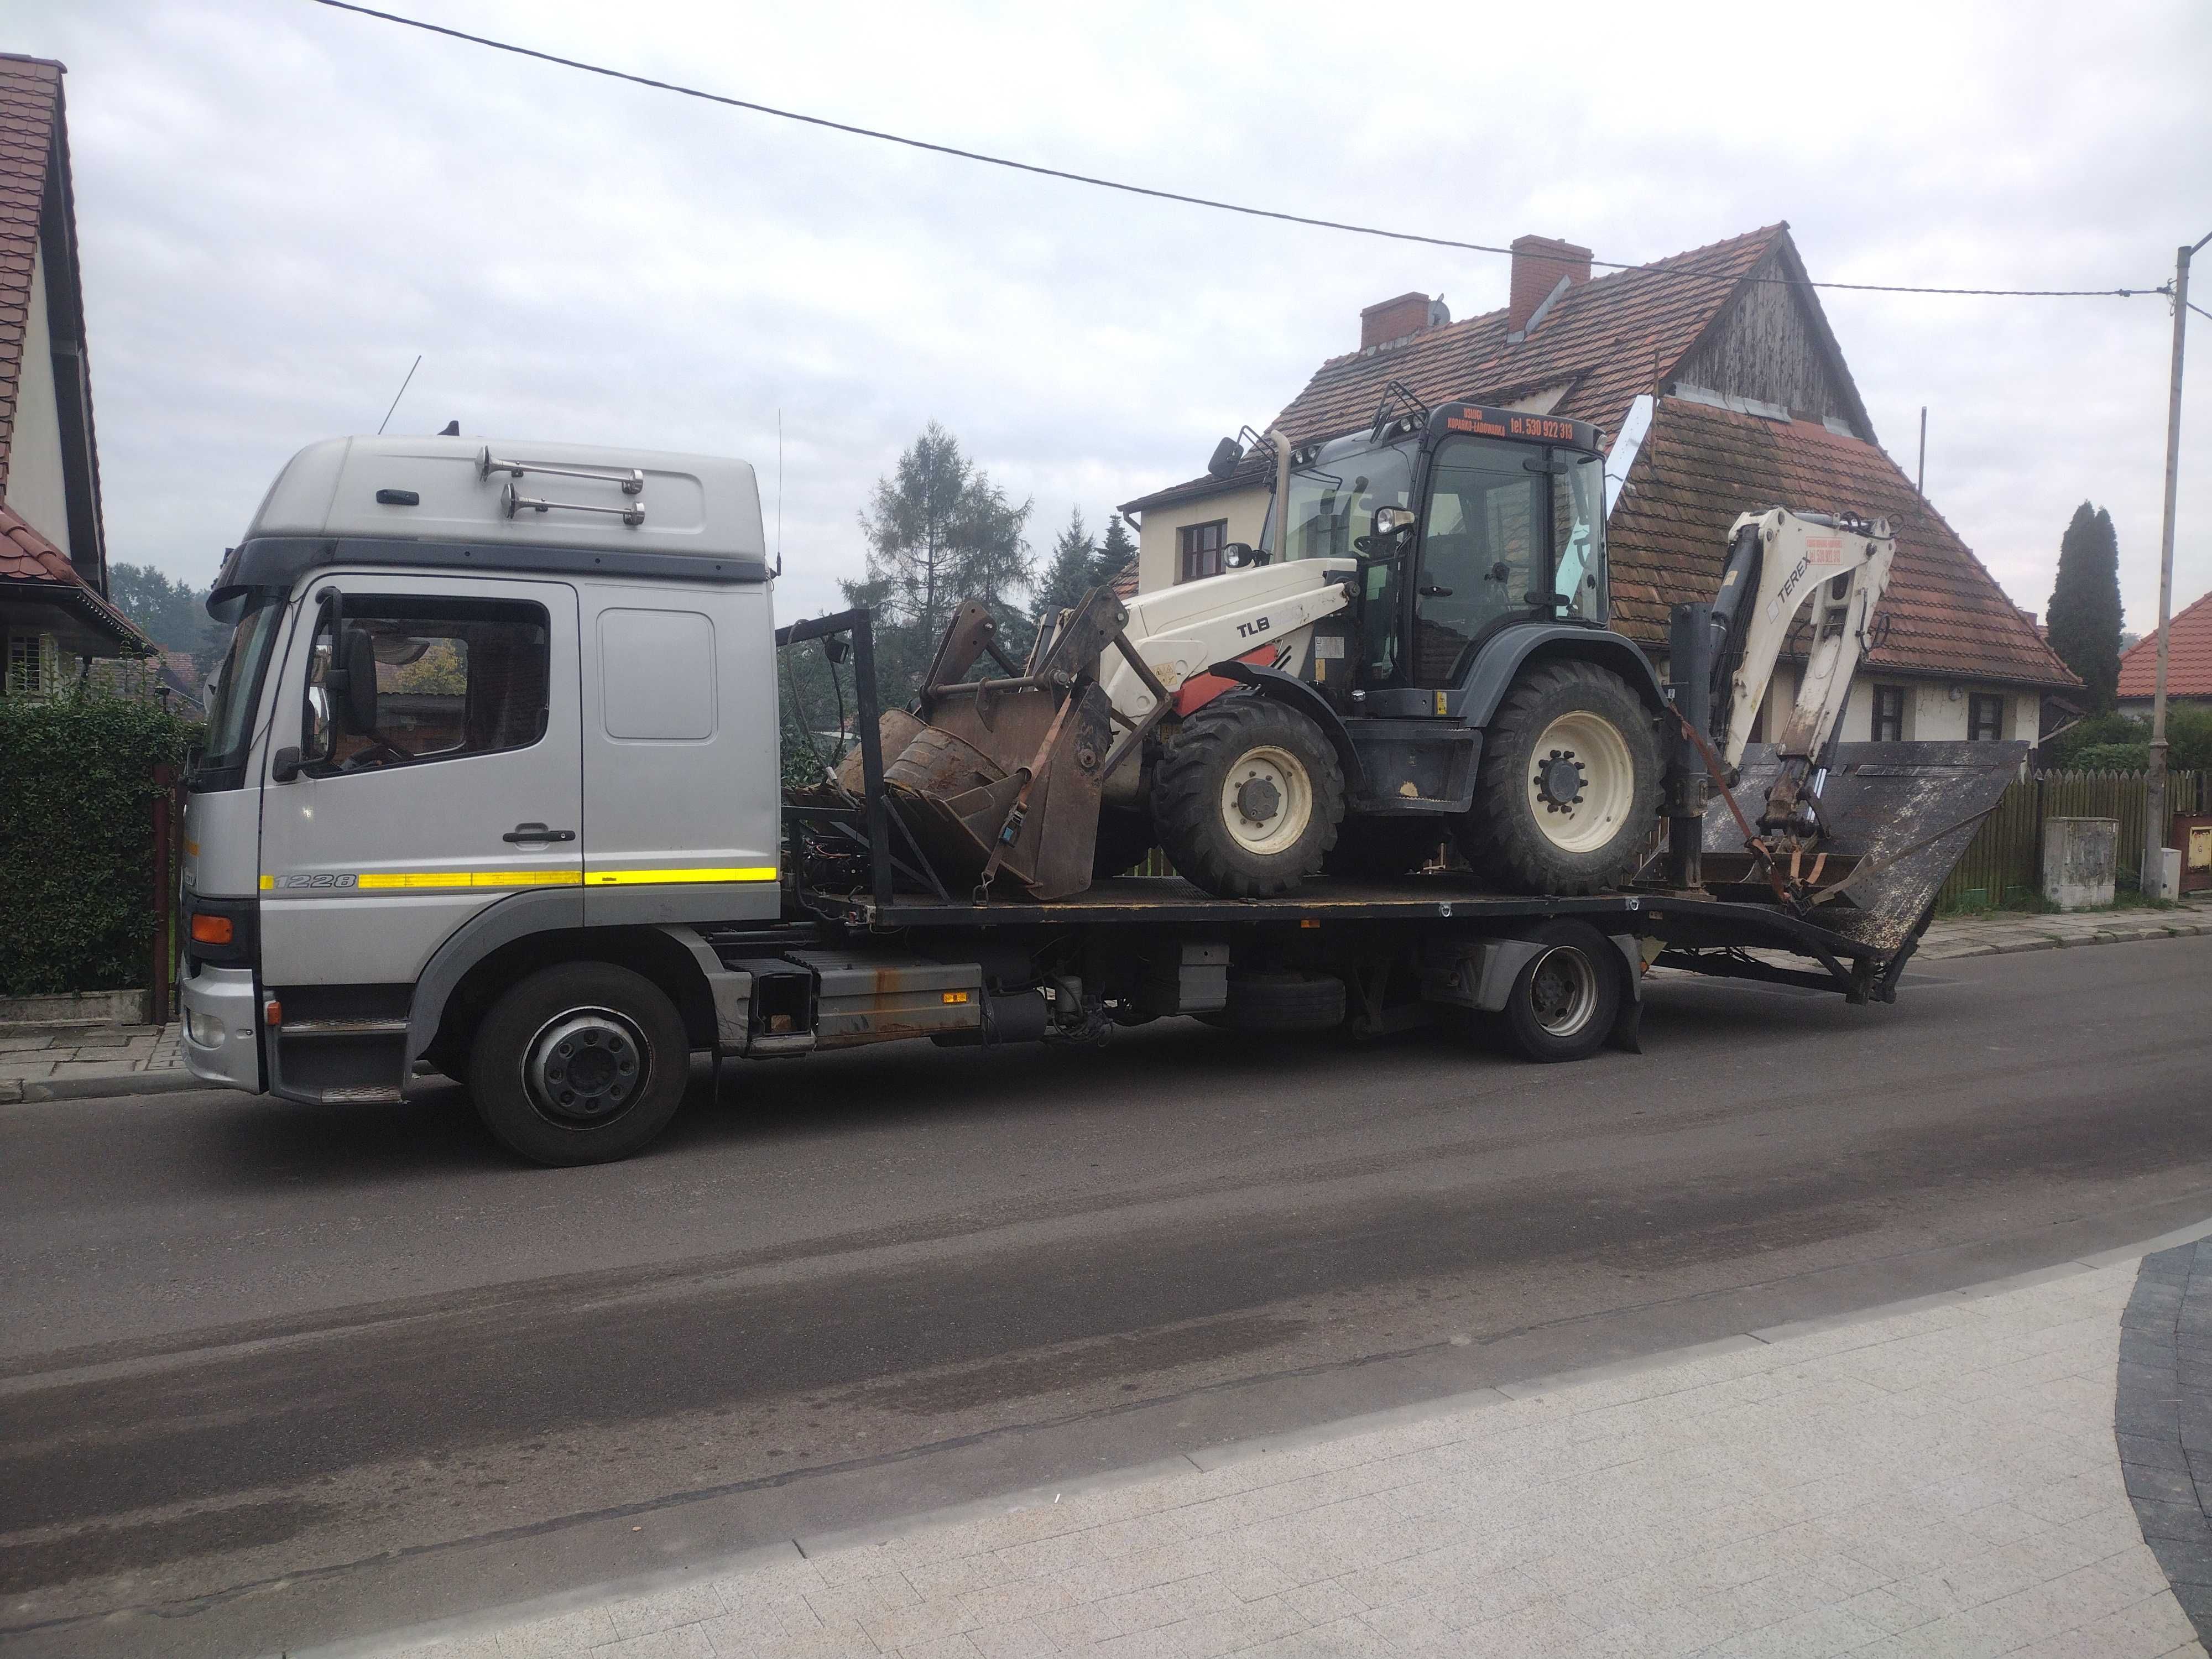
(271,1376)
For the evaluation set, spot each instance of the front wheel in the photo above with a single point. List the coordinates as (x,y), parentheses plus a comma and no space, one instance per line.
(1568,794)
(580,1063)
(1247,797)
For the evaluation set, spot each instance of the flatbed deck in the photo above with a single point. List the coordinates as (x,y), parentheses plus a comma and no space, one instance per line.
(1695,919)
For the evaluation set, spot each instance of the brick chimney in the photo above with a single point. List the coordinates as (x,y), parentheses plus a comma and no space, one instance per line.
(1539,261)
(1393,319)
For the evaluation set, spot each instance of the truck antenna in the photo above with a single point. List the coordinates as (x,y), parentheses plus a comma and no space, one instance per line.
(397,395)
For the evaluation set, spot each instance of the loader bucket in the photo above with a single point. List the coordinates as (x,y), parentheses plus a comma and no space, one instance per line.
(1900,816)
(1011,765)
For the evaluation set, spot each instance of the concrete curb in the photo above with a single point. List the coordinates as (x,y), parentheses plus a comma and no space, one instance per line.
(465,1625)
(2131,934)
(27,1090)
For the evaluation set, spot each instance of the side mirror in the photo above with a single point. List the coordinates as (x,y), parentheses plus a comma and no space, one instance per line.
(351,680)
(1226,454)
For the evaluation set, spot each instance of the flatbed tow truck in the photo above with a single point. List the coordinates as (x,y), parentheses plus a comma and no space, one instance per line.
(429,645)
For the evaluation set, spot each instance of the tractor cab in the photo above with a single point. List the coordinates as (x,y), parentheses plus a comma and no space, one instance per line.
(1463,520)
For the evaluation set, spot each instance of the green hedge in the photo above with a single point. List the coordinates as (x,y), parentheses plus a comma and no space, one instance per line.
(77,839)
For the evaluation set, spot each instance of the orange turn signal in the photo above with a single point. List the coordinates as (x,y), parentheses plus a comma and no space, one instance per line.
(212,930)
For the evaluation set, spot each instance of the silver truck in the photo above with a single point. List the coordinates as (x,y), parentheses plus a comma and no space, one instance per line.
(491,788)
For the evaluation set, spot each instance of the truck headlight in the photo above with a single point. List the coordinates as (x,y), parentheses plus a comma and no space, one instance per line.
(205,1030)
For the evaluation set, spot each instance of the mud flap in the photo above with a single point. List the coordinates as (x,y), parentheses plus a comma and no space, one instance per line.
(1628,1017)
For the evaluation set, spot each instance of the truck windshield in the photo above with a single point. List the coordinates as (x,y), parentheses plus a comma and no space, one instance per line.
(1333,502)
(235,688)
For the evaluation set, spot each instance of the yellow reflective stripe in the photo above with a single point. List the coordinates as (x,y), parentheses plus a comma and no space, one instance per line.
(472,878)
(387,880)
(645,878)
(400,878)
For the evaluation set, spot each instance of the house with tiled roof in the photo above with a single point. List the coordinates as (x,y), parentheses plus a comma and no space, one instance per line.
(54,608)
(1720,388)
(2188,662)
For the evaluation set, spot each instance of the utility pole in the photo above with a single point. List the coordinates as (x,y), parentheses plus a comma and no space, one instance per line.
(2153,861)
(1920,474)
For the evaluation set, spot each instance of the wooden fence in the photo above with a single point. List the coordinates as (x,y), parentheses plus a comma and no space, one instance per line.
(2005,859)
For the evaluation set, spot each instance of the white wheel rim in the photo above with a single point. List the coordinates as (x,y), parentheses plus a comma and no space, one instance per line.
(1562,991)
(1581,782)
(1245,800)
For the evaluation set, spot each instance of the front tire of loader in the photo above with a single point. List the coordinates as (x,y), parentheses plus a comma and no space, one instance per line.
(1247,797)
(1568,795)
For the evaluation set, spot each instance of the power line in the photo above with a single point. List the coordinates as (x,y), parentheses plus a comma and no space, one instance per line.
(1061,173)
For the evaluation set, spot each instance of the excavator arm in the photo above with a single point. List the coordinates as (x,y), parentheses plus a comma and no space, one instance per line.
(1781,564)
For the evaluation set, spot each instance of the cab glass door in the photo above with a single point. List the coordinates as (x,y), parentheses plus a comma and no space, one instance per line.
(1484,558)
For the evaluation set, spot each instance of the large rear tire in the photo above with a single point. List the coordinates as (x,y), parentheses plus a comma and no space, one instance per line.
(582,1062)
(1568,795)
(1247,797)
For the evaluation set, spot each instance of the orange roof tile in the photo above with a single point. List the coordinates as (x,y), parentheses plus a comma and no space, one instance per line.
(30,103)
(2188,657)
(1700,466)
(1607,341)
(26,556)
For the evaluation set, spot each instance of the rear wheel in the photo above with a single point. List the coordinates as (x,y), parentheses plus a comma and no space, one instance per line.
(1562,1004)
(1247,797)
(1568,795)
(580,1063)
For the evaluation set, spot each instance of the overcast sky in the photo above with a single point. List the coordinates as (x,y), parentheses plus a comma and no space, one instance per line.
(280,205)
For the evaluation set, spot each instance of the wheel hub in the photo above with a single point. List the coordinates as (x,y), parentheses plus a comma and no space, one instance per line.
(1562,991)
(1258,800)
(585,1066)
(1559,780)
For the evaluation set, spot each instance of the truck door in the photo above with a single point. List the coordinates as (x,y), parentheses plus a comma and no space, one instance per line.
(457,784)
(680,746)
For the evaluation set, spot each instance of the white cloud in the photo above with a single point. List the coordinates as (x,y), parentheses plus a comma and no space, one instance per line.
(281,204)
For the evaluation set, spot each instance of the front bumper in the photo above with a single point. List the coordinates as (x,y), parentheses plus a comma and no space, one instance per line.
(222,1026)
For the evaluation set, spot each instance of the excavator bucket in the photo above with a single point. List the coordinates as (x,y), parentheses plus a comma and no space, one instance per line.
(998,778)
(1899,816)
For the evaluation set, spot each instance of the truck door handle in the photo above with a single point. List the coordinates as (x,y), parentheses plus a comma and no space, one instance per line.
(537,832)
(1435,592)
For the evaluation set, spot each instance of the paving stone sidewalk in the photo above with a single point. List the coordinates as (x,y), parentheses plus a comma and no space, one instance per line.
(1943,1480)
(2000,935)
(91,1060)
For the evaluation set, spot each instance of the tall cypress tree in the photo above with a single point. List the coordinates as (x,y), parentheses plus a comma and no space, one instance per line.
(2085,605)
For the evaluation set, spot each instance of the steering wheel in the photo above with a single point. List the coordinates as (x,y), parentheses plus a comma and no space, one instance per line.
(382,752)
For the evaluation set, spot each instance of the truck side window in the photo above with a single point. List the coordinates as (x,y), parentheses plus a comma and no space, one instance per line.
(454,677)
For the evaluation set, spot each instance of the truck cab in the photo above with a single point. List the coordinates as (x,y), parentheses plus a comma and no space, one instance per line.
(479,698)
